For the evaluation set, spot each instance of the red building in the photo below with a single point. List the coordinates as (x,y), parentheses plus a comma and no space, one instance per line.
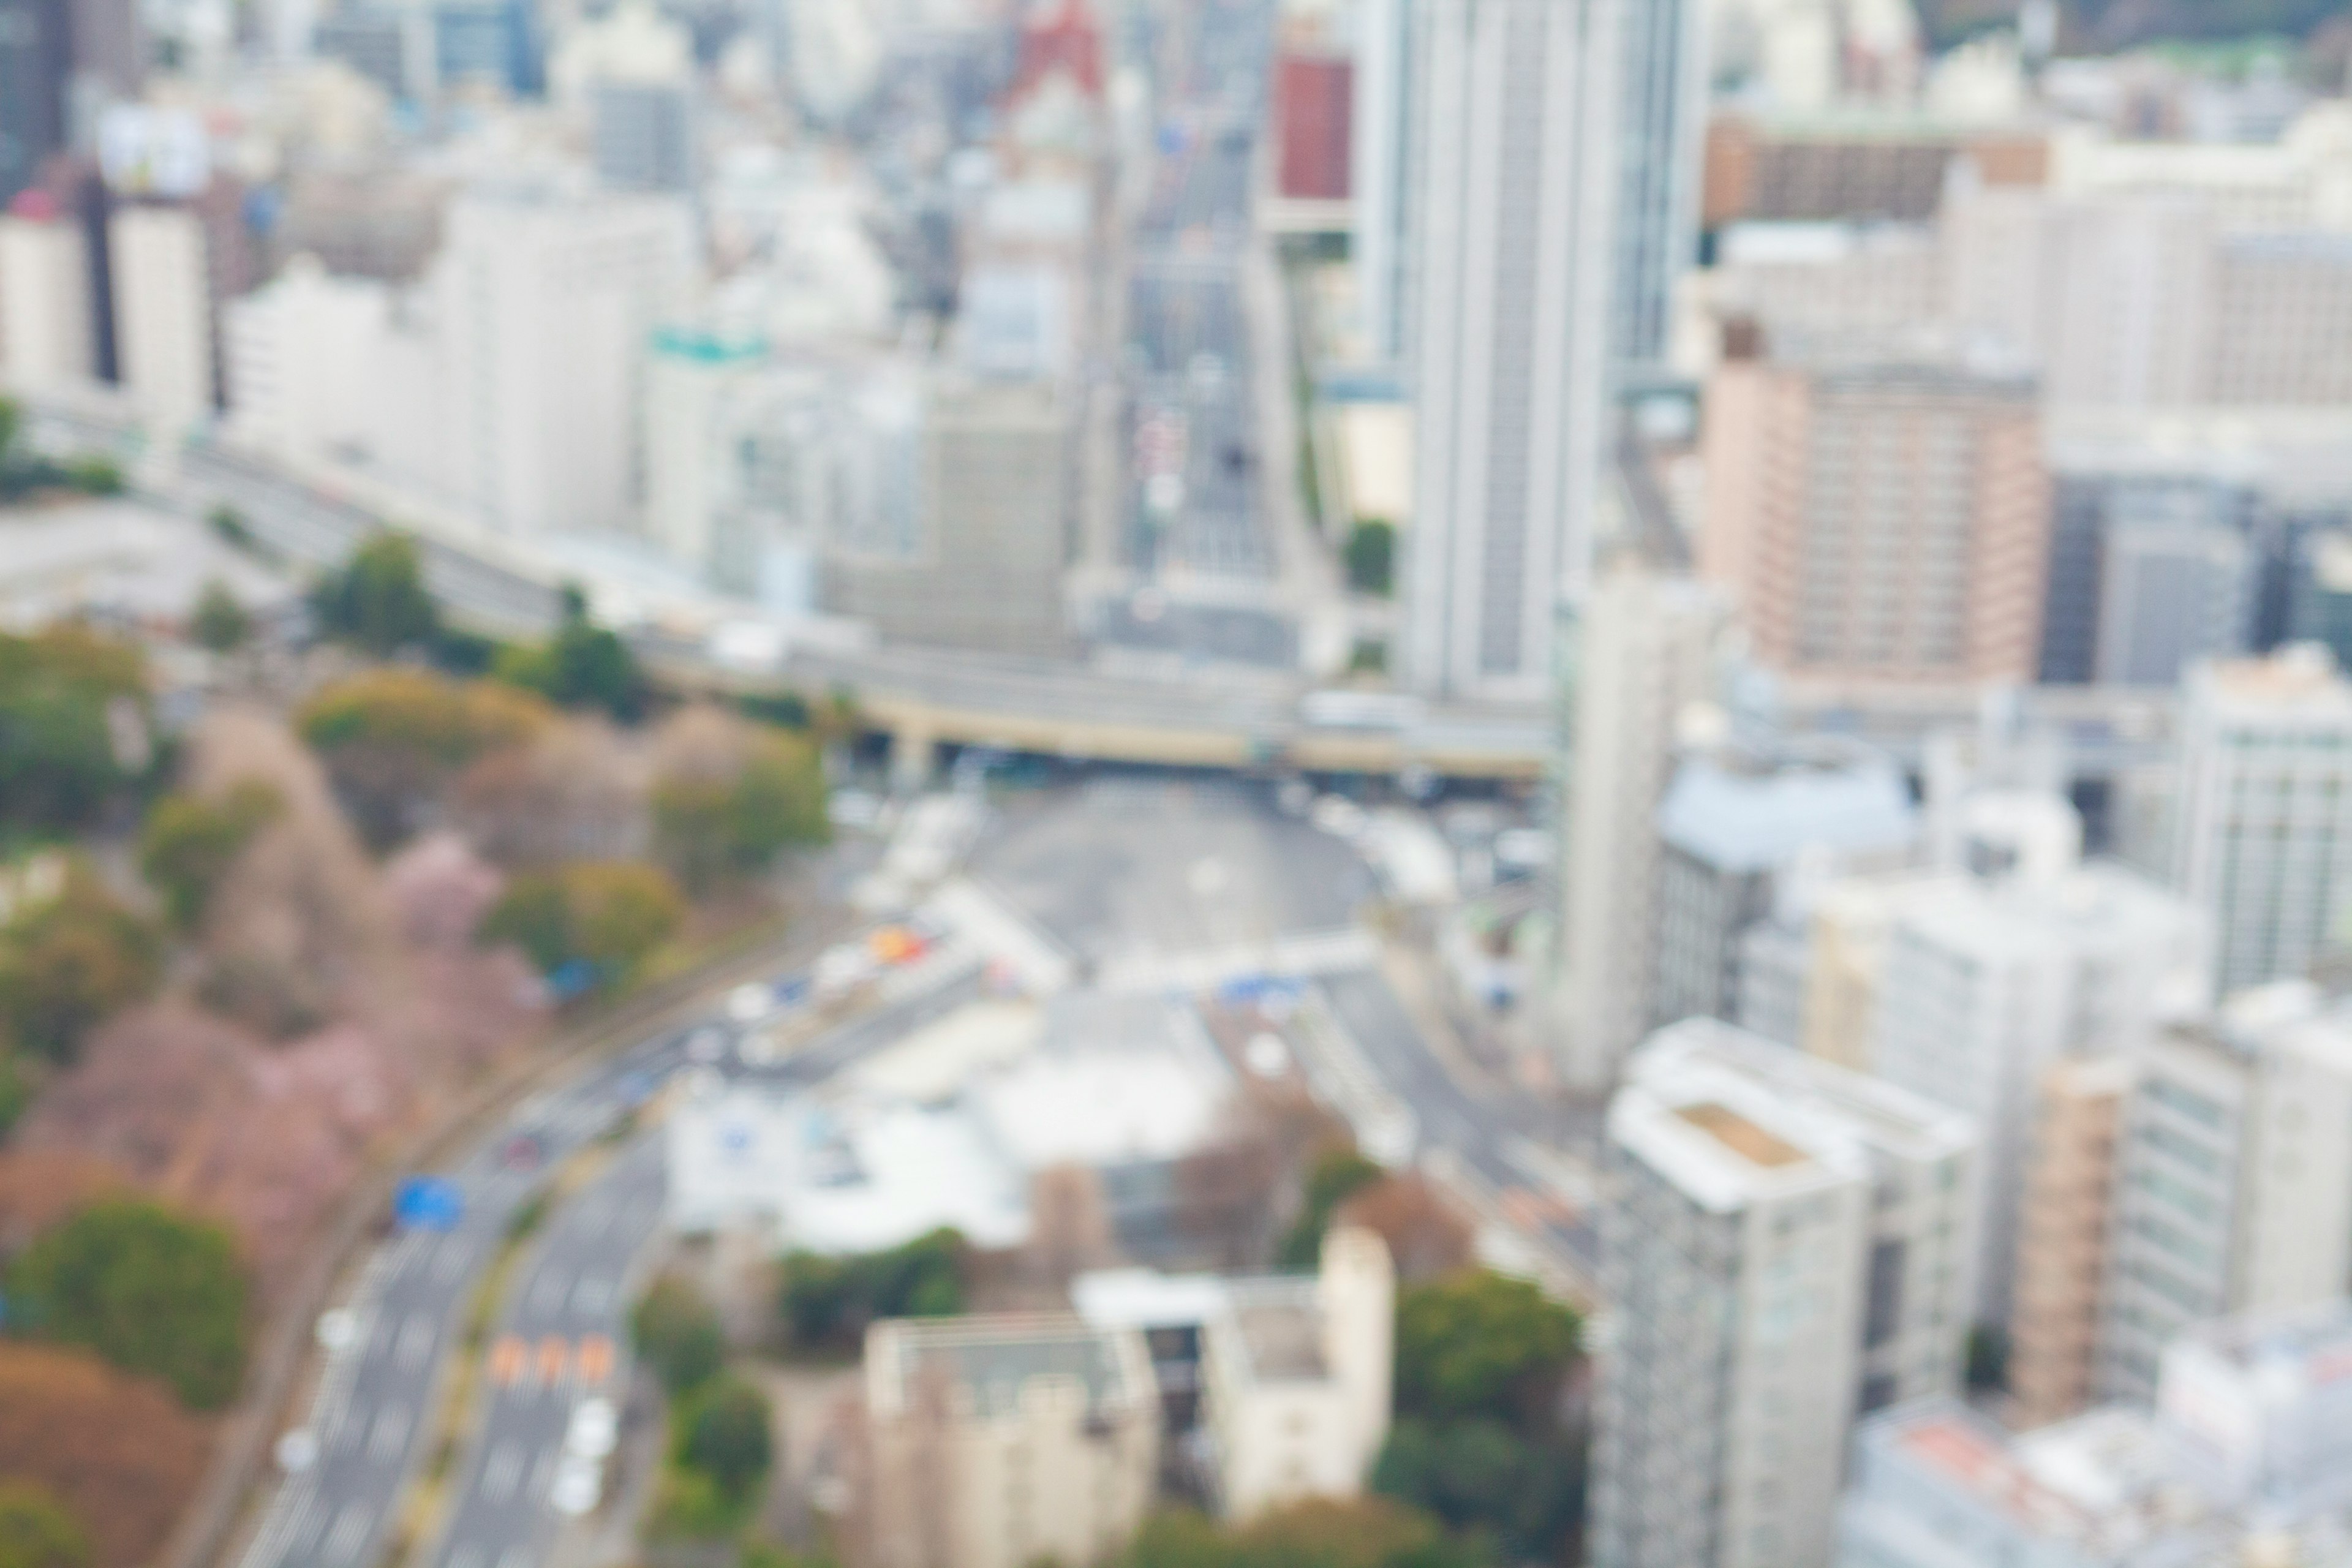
(1313,94)
(1060,38)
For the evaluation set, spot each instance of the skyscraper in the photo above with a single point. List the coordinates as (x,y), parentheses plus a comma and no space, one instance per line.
(1786,1245)
(35,57)
(1663,127)
(1512,180)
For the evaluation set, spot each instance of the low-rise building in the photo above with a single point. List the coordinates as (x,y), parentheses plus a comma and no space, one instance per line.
(1001,1441)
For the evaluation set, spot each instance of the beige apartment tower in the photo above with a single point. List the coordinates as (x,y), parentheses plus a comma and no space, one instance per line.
(1881,523)
(997,1441)
(2062,1250)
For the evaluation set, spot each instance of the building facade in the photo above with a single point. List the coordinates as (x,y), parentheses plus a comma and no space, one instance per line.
(2063,1237)
(45,297)
(2262,821)
(163,312)
(1512,153)
(1878,522)
(1786,1243)
(996,1442)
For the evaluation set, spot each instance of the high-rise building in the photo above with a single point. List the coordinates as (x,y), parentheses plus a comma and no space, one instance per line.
(1641,657)
(36,67)
(975,556)
(2262,821)
(993,1442)
(2063,1237)
(1785,1244)
(1986,982)
(45,305)
(2149,573)
(544,304)
(641,135)
(1878,522)
(2233,1178)
(1514,173)
(1736,828)
(163,312)
(1380,173)
(1661,156)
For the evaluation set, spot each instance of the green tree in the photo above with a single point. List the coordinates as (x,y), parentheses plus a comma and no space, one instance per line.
(66,695)
(1338,1173)
(1481,1344)
(1481,1475)
(37,1531)
(828,1301)
(189,842)
(219,622)
(1371,556)
(147,1289)
(66,965)
(93,474)
(610,914)
(394,740)
(722,1431)
(378,601)
(677,1332)
(14,1093)
(582,666)
(1356,1532)
(710,829)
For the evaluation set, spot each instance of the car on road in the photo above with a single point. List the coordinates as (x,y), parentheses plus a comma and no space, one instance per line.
(577,1487)
(593,1430)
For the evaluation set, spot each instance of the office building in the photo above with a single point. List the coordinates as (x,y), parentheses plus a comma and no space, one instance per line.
(997,1441)
(2063,1237)
(1738,829)
(543,304)
(1295,1376)
(1785,1242)
(976,557)
(2233,1178)
(307,363)
(2150,572)
(2262,817)
(641,135)
(1379,187)
(1847,168)
(45,297)
(1513,153)
(1987,981)
(163,313)
(376,43)
(1313,104)
(1642,669)
(1878,522)
(1662,150)
(35,67)
(2319,594)
(698,443)
(2263,1408)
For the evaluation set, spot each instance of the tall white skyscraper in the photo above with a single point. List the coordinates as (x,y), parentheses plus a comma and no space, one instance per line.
(44,320)
(1664,133)
(1786,1245)
(163,312)
(1641,662)
(545,306)
(1379,126)
(1512,182)
(2263,822)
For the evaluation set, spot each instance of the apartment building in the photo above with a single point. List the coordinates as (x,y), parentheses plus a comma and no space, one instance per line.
(997,1441)
(2063,1237)
(2233,1178)
(1987,981)
(2262,821)
(1878,522)
(1785,1242)
(163,312)
(45,297)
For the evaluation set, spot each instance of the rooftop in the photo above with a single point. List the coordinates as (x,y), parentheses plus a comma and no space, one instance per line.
(998,1359)
(1743,1137)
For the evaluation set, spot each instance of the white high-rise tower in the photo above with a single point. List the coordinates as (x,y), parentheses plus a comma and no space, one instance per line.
(1511,179)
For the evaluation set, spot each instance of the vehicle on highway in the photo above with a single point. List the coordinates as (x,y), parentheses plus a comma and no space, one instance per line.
(595,1427)
(577,1487)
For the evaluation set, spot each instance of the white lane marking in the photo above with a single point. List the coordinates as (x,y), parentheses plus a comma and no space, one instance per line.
(547,1292)
(390,1432)
(344,1541)
(416,1343)
(591,1294)
(504,1468)
(543,1475)
(348,1428)
(452,1260)
(465,1554)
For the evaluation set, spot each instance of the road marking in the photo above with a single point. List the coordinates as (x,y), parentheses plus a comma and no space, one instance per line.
(498,1476)
(307,1525)
(451,1262)
(542,1474)
(465,1554)
(509,1357)
(390,1432)
(554,1350)
(347,1429)
(516,1556)
(591,1294)
(596,1362)
(416,1343)
(351,1530)
(546,1290)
